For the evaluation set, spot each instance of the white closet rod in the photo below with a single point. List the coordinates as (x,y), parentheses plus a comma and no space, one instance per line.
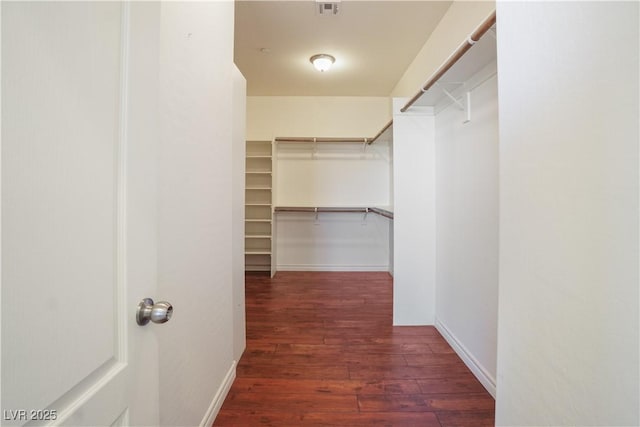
(459,53)
(367,141)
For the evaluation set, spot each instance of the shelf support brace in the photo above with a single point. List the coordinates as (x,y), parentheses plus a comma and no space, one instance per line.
(453,98)
(468,109)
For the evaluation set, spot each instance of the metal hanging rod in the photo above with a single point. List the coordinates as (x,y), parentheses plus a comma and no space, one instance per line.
(320,139)
(383,130)
(385,213)
(459,53)
(367,141)
(316,210)
(319,209)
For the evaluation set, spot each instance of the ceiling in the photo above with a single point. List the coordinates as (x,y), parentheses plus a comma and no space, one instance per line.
(373,43)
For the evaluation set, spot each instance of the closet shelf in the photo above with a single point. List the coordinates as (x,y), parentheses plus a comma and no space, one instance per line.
(258,172)
(257,204)
(257,187)
(256,220)
(258,156)
(256,236)
(257,252)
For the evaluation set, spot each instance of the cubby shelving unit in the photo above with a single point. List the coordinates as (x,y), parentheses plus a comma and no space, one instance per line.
(258,224)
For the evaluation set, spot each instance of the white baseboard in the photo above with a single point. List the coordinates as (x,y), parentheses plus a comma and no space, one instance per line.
(472,363)
(329,267)
(218,399)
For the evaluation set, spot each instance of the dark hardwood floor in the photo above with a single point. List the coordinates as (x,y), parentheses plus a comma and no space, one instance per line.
(321,351)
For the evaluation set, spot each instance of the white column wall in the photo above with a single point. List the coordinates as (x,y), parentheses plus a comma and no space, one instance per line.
(568,303)
(195,215)
(414,215)
(467,229)
(237,193)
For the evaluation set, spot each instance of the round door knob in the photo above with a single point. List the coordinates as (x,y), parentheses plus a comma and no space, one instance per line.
(159,312)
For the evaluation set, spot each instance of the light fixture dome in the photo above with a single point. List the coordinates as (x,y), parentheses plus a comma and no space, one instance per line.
(322,62)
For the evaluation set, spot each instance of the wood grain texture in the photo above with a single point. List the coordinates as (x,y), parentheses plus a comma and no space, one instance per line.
(321,351)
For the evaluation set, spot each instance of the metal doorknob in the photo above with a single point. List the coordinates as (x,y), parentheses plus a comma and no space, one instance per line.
(159,312)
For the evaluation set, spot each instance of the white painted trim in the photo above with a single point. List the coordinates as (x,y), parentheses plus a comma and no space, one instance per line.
(329,267)
(472,363)
(122,315)
(218,399)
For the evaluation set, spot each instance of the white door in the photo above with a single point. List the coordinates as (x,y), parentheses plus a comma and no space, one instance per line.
(78,212)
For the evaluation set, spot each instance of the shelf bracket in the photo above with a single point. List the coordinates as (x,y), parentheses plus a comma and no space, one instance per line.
(453,98)
(466,107)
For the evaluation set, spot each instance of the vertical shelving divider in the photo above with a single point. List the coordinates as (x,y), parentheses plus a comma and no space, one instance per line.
(258,206)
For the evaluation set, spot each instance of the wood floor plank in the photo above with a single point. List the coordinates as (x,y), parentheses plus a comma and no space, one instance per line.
(466,418)
(363,419)
(425,403)
(320,359)
(292,371)
(393,403)
(464,383)
(307,386)
(322,351)
(294,402)
(323,419)
(457,402)
(405,372)
(433,359)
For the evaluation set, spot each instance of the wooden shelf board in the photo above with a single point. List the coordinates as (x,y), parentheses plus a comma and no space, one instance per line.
(257,267)
(257,252)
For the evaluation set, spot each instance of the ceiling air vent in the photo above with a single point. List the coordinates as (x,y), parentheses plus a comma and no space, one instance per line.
(327,8)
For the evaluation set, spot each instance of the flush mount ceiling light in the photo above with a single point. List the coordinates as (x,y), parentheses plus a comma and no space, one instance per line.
(322,62)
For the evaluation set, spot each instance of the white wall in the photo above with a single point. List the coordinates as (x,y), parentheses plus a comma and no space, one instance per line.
(461,19)
(414,215)
(237,193)
(333,242)
(467,228)
(343,174)
(333,175)
(355,116)
(568,304)
(195,215)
